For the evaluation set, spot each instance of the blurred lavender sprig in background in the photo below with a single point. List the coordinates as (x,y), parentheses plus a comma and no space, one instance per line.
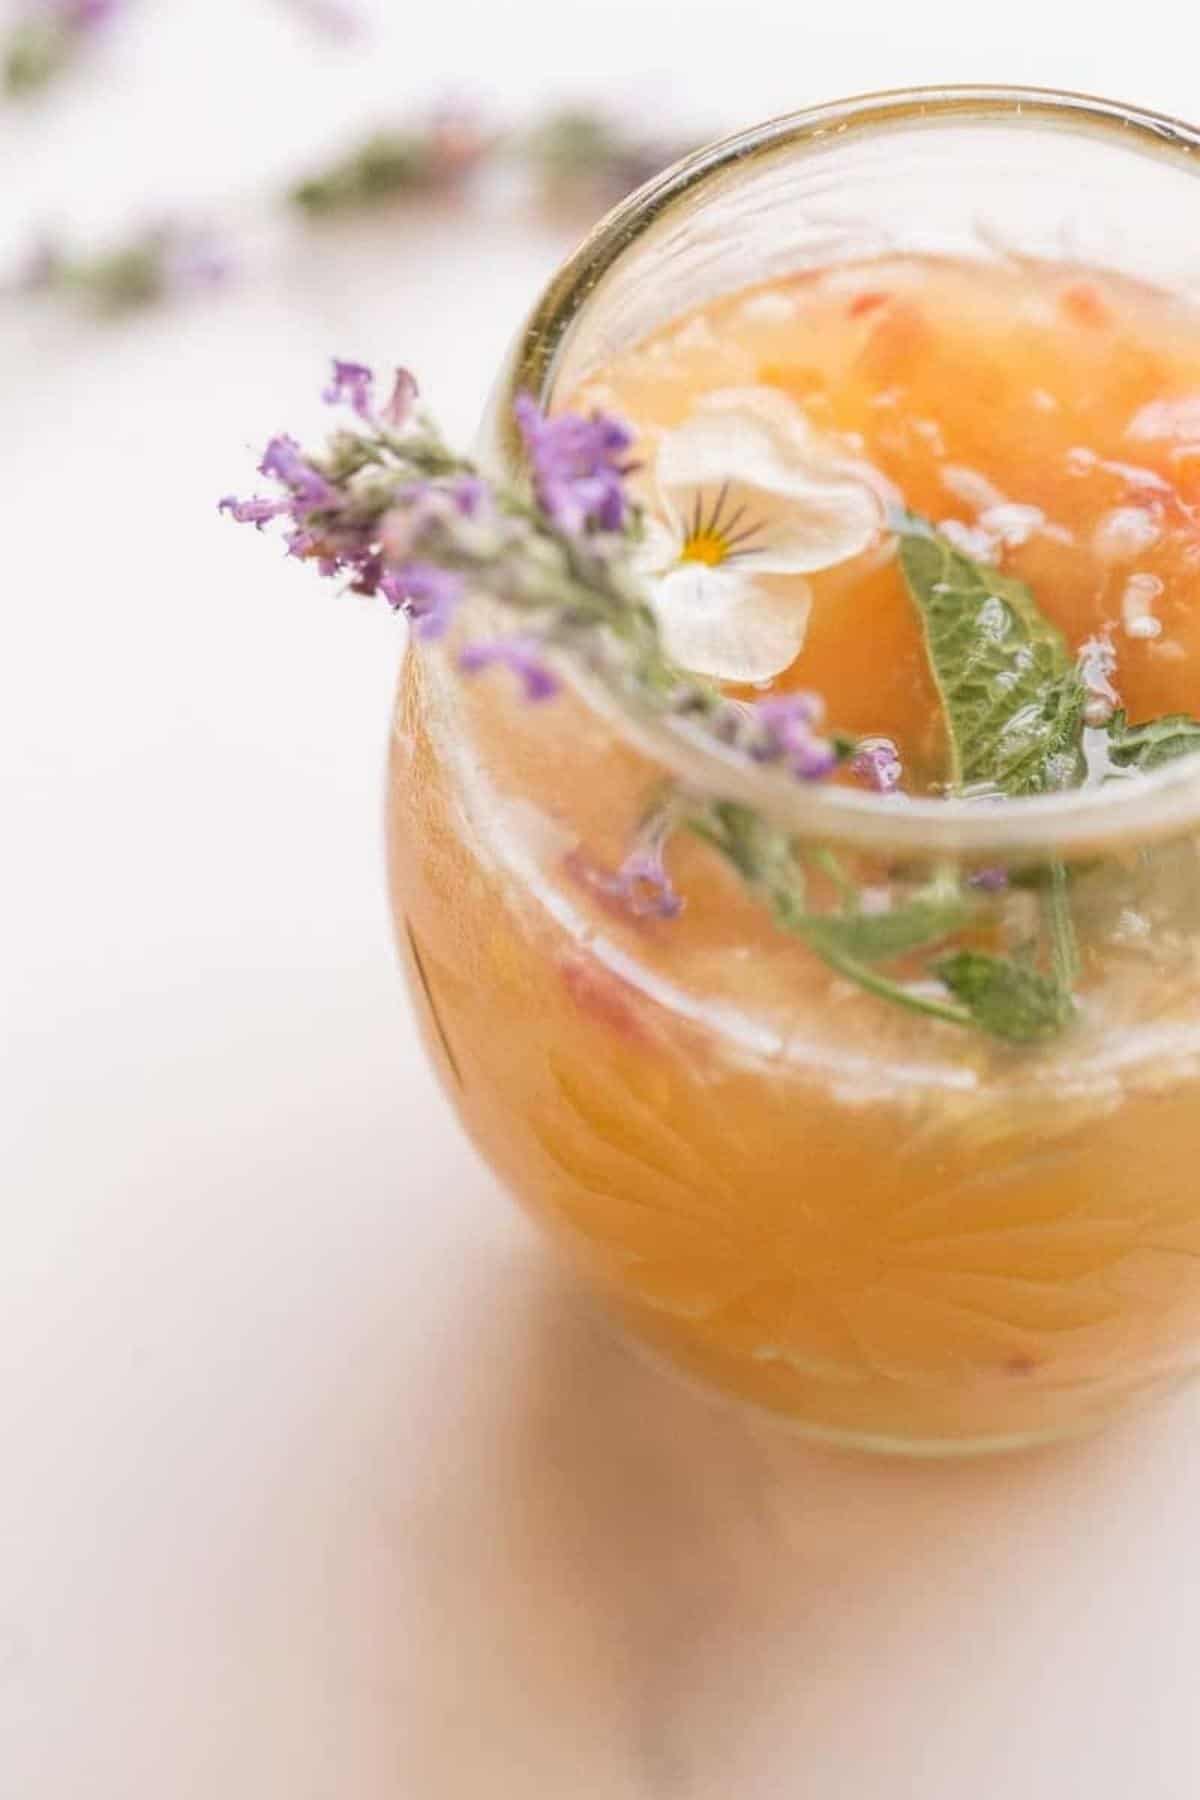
(576,156)
(431,156)
(583,155)
(47,36)
(158,262)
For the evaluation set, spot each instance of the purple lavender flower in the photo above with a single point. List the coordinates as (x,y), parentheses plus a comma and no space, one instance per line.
(877,762)
(989,881)
(789,735)
(641,886)
(255,511)
(352,384)
(469,494)
(400,406)
(579,467)
(301,542)
(421,505)
(521,655)
(428,595)
(649,889)
(310,547)
(365,564)
(284,461)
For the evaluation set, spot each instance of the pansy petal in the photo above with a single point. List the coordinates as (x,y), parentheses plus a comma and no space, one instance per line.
(717,622)
(749,434)
(658,548)
(750,457)
(814,526)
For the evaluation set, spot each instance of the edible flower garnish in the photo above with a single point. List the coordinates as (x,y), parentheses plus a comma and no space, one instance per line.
(748,499)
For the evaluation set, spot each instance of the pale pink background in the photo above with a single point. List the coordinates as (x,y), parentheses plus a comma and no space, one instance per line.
(316,1482)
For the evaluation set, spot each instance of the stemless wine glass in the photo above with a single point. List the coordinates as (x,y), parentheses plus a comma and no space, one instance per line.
(892,1232)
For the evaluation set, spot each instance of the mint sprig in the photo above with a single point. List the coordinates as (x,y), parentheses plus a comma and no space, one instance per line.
(851,940)
(1151,745)
(1007,998)
(1013,700)
(1011,692)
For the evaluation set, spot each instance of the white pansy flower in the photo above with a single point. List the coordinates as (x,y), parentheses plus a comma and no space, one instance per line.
(749,498)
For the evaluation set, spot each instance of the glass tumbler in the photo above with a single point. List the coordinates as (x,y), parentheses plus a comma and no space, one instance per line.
(888,1231)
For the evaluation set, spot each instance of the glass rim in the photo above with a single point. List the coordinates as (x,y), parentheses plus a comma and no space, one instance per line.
(1140,806)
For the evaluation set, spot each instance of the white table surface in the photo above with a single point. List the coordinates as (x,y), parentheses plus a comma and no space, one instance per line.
(316,1482)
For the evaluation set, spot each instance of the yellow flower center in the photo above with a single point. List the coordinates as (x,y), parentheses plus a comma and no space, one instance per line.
(705,546)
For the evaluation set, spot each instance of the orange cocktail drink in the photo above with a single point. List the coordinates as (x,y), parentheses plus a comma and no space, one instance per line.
(882,1110)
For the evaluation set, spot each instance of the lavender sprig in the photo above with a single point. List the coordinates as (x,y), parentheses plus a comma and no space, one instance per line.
(388,507)
(522,657)
(877,763)
(577,156)
(161,261)
(433,157)
(48,37)
(640,887)
(584,155)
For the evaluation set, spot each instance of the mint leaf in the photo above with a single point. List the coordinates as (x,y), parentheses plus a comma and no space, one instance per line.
(1012,696)
(1064,945)
(925,920)
(767,862)
(1008,999)
(766,859)
(762,855)
(1151,745)
(1013,699)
